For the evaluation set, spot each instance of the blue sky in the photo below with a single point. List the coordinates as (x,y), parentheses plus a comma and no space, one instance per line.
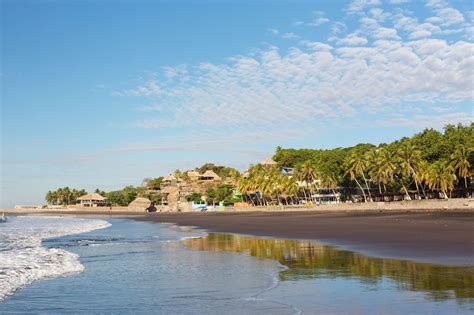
(106,93)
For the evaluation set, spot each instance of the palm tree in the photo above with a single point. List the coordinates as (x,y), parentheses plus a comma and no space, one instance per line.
(308,175)
(357,166)
(441,177)
(460,162)
(373,161)
(409,158)
(387,166)
(178,174)
(330,181)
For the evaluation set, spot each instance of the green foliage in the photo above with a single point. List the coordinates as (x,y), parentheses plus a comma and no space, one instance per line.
(154,183)
(223,192)
(126,195)
(196,197)
(223,171)
(64,196)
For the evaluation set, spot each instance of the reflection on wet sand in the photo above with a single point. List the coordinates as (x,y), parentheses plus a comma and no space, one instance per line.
(306,259)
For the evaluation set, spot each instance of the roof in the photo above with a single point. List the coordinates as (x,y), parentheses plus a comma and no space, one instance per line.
(268,162)
(210,173)
(193,173)
(91,196)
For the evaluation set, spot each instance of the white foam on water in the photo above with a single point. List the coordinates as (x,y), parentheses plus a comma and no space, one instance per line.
(23,259)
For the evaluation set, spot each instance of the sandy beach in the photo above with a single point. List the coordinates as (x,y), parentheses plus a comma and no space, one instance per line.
(439,237)
(436,237)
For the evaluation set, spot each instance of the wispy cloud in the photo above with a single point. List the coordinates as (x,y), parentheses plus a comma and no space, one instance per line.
(150,88)
(319,18)
(386,60)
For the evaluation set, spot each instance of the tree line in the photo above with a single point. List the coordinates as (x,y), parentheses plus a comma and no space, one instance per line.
(430,164)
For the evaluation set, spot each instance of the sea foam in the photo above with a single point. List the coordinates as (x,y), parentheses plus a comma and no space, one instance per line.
(24,260)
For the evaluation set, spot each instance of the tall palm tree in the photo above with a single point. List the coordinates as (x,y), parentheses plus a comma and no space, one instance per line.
(357,166)
(300,178)
(330,181)
(309,175)
(409,158)
(373,162)
(441,177)
(387,166)
(460,162)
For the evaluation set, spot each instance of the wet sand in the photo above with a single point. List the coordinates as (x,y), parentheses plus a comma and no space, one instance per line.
(437,237)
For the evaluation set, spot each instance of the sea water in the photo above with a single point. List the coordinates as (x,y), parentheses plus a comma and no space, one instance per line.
(140,267)
(23,259)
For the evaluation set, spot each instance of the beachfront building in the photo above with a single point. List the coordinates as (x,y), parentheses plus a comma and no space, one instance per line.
(326,196)
(269,163)
(28,207)
(91,200)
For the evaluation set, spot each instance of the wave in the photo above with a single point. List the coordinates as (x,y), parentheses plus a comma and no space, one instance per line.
(23,260)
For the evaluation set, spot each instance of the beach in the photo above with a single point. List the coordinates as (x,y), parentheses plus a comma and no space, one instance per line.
(131,266)
(444,237)
(437,237)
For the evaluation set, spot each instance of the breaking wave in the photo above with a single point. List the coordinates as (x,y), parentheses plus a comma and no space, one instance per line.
(23,259)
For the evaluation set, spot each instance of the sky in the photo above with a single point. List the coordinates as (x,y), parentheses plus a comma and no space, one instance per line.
(102,94)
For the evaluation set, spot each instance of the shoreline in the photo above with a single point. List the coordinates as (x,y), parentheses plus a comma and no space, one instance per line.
(435,237)
(438,237)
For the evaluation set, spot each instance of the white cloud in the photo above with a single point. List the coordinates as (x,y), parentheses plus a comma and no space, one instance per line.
(314,82)
(445,15)
(316,45)
(420,34)
(399,1)
(150,88)
(353,40)
(337,28)
(289,36)
(356,6)
(319,19)
(301,86)
(384,32)
(274,31)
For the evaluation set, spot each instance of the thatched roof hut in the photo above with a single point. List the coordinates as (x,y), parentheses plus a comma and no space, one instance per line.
(140,204)
(193,174)
(91,200)
(268,163)
(91,196)
(210,175)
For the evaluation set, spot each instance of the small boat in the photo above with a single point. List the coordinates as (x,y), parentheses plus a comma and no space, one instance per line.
(3,218)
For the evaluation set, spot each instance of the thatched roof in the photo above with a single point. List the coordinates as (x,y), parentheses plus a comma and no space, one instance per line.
(92,196)
(211,174)
(140,203)
(268,162)
(193,173)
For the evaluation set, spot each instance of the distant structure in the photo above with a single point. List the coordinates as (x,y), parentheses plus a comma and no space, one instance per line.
(268,163)
(209,175)
(193,175)
(28,207)
(91,200)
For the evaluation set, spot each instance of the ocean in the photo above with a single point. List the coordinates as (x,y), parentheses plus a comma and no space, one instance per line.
(77,265)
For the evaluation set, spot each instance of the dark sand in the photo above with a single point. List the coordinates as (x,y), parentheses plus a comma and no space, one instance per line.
(437,237)
(440,237)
